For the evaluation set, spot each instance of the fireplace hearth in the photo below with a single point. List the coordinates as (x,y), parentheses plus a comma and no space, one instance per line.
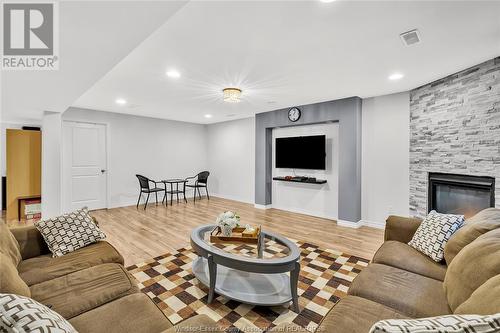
(460,194)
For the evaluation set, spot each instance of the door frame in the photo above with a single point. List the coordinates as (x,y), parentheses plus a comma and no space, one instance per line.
(107,157)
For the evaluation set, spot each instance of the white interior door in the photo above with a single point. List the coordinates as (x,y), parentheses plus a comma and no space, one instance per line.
(84,166)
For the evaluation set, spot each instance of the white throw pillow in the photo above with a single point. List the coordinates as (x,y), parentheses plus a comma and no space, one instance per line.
(19,314)
(69,232)
(441,324)
(434,232)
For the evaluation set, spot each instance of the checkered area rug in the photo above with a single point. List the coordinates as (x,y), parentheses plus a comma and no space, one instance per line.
(324,279)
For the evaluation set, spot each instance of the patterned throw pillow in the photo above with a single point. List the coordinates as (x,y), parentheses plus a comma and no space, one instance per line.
(434,232)
(442,324)
(69,232)
(19,314)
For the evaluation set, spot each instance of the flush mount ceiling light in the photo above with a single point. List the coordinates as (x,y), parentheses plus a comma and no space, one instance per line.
(173,74)
(232,95)
(208,116)
(396,76)
(120,101)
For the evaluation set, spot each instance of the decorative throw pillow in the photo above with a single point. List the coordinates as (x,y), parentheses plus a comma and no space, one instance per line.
(19,314)
(69,232)
(434,232)
(442,324)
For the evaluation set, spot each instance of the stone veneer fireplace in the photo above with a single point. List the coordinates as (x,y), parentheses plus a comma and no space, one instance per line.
(460,194)
(455,129)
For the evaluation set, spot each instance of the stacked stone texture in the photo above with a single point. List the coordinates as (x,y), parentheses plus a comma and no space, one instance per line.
(455,128)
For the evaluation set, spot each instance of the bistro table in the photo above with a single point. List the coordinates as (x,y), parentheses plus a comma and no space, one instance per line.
(175,191)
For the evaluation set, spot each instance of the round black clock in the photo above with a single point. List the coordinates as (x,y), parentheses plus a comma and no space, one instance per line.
(294,114)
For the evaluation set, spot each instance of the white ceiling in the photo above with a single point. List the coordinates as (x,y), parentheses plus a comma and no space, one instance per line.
(93,37)
(281,53)
(293,53)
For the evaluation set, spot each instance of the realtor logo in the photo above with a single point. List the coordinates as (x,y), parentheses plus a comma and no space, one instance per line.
(30,39)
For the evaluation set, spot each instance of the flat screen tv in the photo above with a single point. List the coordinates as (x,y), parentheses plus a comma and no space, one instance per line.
(301,152)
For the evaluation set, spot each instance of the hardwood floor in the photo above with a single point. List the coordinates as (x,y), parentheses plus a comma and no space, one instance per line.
(142,234)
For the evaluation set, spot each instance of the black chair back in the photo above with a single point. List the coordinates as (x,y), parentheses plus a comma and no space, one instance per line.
(203,177)
(143,182)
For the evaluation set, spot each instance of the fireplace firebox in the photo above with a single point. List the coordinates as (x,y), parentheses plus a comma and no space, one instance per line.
(460,194)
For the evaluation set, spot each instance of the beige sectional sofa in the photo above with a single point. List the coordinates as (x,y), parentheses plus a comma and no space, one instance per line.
(403,283)
(89,287)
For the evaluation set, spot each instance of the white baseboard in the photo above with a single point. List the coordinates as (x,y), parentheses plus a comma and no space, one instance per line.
(361,223)
(349,224)
(306,212)
(230,197)
(263,206)
(127,201)
(373,224)
(132,201)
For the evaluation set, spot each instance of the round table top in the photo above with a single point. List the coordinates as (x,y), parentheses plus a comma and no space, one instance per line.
(277,250)
(174,180)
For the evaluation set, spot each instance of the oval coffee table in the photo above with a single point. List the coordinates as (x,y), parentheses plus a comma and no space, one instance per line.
(264,274)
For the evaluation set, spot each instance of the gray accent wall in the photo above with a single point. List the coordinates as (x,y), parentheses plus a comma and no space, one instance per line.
(455,128)
(347,112)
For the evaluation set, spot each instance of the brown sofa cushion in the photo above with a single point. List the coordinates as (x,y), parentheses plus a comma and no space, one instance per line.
(484,221)
(141,315)
(474,265)
(400,228)
(44,268)
(202,323)
(411,294)
(31,242)
(484,300)
(356,315)
(84,290)
(10,281)
(9,245)
(401,255)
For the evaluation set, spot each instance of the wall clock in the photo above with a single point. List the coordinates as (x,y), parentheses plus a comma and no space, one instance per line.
(294,114)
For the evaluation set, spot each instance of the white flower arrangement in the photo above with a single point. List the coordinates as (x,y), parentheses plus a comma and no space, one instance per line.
(227,221)
(228,218)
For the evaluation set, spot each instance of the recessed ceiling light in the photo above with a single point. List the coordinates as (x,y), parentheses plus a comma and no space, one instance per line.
(327,1)
(173,74)
(120,101)
(396,76)
(208,116)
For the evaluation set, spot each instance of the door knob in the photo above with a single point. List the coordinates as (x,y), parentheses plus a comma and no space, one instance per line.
(103,170)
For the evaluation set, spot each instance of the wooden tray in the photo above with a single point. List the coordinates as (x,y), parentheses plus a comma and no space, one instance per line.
(236,237)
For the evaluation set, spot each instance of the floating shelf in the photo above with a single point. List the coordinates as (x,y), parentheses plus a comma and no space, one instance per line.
(299,180)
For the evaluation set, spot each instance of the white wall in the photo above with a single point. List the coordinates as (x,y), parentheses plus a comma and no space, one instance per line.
(311,199)
(155,148)
(51,164)
(164,149)
(385,157)
(231,159)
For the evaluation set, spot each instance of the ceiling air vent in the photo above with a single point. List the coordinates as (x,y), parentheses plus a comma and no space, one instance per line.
(410,37)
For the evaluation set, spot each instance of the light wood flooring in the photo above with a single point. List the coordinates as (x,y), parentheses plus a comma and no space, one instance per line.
(142,234)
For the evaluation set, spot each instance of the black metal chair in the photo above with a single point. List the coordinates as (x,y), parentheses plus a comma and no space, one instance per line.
(201,181)
(145,188)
